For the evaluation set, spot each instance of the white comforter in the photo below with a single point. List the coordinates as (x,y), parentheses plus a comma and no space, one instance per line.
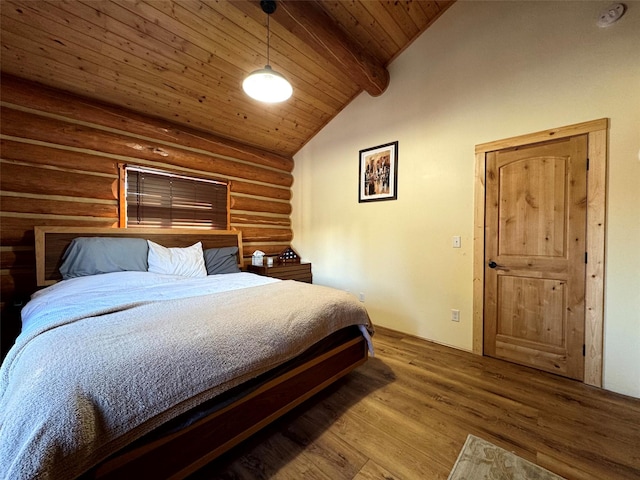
(79,297)
(103,360)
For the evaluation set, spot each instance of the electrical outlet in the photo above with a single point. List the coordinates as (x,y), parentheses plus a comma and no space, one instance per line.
(455,315)
(456,242)
(361,297)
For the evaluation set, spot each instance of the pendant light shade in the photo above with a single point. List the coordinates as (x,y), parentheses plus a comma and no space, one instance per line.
(267,85)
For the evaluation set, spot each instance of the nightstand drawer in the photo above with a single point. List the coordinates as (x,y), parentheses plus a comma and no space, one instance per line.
(287,271)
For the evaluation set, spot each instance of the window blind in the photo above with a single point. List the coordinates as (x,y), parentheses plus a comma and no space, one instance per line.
(166,200)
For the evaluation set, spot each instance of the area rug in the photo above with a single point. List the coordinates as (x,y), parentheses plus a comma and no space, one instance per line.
(482,460)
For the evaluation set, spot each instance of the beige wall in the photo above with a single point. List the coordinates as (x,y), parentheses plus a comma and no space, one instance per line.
(485,71)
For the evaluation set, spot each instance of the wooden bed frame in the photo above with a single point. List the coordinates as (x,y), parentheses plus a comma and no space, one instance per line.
(51,243)
(179,454)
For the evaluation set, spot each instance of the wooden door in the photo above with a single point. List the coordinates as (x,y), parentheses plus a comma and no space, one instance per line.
(535,229)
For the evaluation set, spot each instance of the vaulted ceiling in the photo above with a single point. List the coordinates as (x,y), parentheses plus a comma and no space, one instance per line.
(184,60)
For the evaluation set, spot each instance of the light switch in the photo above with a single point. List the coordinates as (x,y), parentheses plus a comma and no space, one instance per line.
(456,241)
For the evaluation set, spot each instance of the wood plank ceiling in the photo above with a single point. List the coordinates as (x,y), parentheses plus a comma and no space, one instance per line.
(184,60)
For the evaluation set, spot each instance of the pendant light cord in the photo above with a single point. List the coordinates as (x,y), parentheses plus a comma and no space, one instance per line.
(268,39)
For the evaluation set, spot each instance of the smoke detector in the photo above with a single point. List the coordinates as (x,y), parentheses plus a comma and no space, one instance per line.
(611,15)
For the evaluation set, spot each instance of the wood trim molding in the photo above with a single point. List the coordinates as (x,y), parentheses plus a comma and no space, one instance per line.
(478,254)
(122,196)
(543,136)
(596,227)
(597,131)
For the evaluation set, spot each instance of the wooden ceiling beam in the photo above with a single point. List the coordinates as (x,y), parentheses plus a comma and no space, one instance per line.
(311,24)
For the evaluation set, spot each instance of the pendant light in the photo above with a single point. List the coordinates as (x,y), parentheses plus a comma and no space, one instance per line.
(267,85)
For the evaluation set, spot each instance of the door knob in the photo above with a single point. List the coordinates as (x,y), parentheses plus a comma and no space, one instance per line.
(492,264)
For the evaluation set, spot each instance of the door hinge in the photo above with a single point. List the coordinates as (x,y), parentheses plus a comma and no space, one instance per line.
(587,164)
(585,257)
(584,350)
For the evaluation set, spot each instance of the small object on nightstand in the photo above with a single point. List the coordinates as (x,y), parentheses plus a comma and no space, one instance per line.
(257,258)
(288,256)
(269,261)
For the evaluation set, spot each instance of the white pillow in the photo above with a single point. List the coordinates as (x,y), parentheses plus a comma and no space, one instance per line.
(188,262)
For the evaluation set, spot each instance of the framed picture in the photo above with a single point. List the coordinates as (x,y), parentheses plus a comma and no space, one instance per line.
(379,173)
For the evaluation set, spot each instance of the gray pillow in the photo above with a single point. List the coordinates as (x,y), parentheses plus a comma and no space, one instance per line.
(221,260)
(95,255)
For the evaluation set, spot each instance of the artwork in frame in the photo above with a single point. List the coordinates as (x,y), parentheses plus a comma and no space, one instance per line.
(379,173)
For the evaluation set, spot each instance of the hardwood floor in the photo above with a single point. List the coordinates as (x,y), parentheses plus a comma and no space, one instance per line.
(406,413)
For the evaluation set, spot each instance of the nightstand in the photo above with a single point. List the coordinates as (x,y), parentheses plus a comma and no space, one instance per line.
(284,271)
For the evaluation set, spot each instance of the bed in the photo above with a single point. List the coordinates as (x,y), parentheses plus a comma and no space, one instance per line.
(154,374)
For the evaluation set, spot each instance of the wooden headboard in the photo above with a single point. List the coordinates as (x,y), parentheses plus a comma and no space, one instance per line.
(51,243)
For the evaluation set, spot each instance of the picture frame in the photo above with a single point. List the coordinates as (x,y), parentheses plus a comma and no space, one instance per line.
(378,173)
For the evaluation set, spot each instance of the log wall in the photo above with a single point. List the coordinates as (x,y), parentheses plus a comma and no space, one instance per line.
(59,157)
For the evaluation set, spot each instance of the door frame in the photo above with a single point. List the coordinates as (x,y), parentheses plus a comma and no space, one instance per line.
(598,139)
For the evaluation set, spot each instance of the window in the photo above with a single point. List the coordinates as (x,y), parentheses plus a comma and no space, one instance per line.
(155,198)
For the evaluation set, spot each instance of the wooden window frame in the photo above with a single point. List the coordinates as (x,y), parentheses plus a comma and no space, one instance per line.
(122,190)
(598,136)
